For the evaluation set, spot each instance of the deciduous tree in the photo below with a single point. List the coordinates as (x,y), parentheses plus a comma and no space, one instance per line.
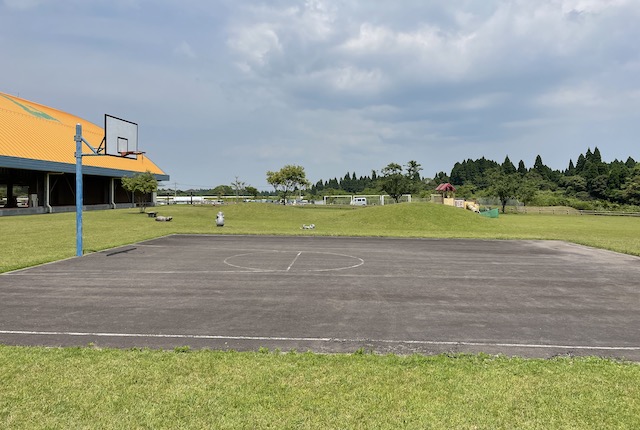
(141,185)
(287,180)
(393,182)
(253,191)
(503,186)
(238,187)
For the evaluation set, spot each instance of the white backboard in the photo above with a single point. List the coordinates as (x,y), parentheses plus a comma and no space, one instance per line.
(120,136)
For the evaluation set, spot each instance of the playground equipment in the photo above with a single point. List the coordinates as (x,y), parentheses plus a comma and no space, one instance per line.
(490,213)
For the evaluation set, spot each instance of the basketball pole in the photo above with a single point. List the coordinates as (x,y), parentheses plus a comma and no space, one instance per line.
(79,197)
(79,185)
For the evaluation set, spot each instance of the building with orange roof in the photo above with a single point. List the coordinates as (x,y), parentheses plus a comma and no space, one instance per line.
(37,161)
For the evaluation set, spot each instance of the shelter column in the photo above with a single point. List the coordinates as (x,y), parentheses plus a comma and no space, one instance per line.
(112,193)
(47,192)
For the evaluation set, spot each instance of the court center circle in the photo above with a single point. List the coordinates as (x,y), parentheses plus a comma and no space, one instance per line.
(293,261)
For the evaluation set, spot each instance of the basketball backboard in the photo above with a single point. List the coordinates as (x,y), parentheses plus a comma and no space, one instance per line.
(120,137)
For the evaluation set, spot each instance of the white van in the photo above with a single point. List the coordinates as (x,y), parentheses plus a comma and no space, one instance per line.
(359,201)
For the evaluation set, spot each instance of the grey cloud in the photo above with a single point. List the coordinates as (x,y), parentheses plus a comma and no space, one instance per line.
(248,86)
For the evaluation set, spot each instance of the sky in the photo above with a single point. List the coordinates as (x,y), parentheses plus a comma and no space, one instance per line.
(226,90)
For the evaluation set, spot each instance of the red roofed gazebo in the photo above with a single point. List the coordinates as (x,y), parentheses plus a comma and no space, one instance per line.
(446,189)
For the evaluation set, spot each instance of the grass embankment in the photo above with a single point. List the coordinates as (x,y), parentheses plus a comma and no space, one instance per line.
(29,240)
(87,388)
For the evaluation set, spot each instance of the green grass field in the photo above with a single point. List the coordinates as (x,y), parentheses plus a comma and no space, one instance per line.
(104,388)
(111,389)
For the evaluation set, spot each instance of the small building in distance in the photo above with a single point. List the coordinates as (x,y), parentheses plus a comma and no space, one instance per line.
(446,195)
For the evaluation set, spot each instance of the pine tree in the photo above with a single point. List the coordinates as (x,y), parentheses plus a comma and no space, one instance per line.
(508,167)
(596,157)
(522,168)
(630,163)
(588,155)
(458,174)
(345,183)
(580,164)
(538,165)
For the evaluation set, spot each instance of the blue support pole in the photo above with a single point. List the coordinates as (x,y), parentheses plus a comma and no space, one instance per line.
(78,139)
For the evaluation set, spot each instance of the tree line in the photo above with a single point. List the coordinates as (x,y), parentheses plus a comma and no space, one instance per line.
(589,183)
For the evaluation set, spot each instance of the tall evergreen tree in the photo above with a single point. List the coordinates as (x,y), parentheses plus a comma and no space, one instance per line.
(538,165)
(333,183)
(508,167)
(441,178)
(596,158)
(588,155)
(618,175)
(345,183)
(522,169)
(580,164)
(458,174)
(630,163)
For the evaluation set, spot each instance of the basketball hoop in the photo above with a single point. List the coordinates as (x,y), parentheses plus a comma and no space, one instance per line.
(125,153)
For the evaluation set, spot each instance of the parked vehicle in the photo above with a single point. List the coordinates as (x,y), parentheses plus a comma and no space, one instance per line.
(359,201)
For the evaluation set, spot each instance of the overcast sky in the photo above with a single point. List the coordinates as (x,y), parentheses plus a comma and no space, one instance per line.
(226,88)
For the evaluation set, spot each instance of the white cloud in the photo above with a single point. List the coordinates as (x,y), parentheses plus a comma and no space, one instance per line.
(316,19)
(255,45)
(368,82)
(424,54)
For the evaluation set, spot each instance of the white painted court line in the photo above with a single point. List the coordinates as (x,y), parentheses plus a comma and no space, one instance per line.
(320,339)
(294,261)
(358,261)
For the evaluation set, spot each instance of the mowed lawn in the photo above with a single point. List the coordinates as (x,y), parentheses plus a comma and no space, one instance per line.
(141,389)
(122,389)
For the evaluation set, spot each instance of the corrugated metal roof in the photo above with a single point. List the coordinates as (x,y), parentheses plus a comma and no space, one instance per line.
(32,131)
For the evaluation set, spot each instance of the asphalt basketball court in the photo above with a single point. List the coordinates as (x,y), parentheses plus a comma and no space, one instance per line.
(329,294)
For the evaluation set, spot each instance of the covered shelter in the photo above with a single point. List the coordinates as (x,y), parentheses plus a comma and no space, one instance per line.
(445,194)
(37,162)
(446,189)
